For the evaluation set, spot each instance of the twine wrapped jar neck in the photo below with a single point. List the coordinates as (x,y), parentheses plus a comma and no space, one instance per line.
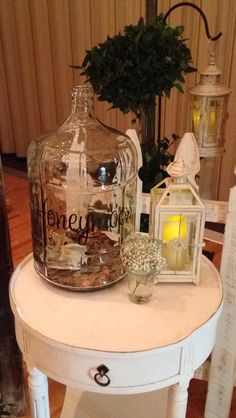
(178,171)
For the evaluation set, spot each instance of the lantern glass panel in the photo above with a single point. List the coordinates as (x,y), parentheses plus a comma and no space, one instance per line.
(196,115)
(213,108)
(178,233)
(180,195)
(207,117)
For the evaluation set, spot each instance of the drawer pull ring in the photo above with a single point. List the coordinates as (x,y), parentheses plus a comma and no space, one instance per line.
(101,377)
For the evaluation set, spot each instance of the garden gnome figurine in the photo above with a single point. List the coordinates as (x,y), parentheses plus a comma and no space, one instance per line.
(188,152)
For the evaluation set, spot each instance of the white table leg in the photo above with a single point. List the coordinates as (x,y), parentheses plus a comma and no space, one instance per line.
(38,389)
(177,400)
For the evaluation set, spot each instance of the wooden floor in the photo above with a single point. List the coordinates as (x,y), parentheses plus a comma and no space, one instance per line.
(16,190)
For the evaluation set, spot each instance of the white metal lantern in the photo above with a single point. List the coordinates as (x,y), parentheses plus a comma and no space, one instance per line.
(209,111)
(177,217)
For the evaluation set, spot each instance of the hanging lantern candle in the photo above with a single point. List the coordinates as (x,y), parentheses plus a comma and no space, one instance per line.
(209,111)
(177,217)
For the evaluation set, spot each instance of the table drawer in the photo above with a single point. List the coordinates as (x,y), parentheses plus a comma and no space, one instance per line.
(127,372)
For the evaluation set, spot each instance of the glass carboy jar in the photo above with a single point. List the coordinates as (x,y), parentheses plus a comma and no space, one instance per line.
(83,197)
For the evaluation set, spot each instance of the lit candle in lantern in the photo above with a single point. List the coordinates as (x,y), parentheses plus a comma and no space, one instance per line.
(213,119)
(212,125)
(196,115)
(175,228)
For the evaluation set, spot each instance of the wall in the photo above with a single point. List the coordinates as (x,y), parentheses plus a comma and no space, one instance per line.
(41,38)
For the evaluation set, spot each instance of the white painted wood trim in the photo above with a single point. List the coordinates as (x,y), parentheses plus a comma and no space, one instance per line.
(223,359)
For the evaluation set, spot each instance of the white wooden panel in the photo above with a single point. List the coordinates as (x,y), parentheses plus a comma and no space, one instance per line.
(216,211)
(223,360)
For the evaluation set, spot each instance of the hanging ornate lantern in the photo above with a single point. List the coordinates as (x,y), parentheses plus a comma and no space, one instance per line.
(177,217)
(209,111)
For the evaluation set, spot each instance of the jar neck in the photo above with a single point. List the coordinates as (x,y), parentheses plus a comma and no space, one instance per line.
(82,101)
(179,180)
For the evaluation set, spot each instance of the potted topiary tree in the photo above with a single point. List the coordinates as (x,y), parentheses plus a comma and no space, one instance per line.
(130,70)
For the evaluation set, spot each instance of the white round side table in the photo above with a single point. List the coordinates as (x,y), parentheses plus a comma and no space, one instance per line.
(101,342)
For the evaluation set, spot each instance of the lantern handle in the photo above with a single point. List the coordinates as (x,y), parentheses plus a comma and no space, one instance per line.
(187,3)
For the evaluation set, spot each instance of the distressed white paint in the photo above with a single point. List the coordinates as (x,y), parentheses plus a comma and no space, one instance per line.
(66,335)
(223,361)
(38,387)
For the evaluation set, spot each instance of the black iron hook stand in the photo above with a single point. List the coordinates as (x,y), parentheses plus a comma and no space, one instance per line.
(212,38)
(194,6)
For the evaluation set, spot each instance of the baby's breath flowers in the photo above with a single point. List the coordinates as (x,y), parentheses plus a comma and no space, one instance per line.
(140,253)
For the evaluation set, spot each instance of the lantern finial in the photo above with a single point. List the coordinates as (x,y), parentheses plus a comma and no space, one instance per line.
(188,152)
(177,169)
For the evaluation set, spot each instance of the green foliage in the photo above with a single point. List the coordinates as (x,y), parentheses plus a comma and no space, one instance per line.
(156,159)
(127,70)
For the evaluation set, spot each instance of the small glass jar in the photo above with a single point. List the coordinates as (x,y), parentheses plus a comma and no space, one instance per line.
(83,198)
(140,285)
